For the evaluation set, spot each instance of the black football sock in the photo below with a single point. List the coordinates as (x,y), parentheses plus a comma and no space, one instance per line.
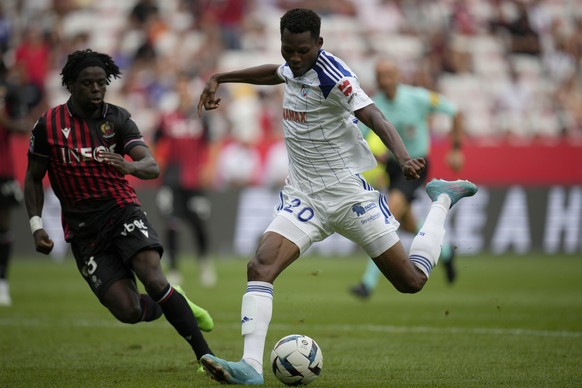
(5,250)
(179,314)
(172,247)
(151,310)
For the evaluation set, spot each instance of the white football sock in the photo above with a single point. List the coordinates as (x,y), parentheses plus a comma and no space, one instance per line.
(256,312)
(426,246)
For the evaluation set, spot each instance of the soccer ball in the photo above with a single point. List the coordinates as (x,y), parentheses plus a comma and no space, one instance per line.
(296,360)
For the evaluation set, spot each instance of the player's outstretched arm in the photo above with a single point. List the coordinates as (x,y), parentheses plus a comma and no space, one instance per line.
(375,119)
(455,158)
(259,75)
(34,201)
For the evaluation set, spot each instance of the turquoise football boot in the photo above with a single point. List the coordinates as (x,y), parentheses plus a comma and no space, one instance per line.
(454,189)
(227,372)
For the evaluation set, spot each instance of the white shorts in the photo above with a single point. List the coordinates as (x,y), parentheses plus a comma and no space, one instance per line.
(351,208)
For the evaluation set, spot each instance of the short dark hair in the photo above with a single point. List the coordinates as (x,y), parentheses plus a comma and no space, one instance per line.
(298,20)
(81,59)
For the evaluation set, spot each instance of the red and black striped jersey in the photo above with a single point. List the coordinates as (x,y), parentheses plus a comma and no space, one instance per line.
(72,145)
(11,106)
(6,159)
(183,144)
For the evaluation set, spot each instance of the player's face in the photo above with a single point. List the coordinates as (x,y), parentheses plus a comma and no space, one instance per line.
(300,51)
(387,77)
(89,89)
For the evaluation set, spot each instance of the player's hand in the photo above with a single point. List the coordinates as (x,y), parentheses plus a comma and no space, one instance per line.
(455,159)
(42,242)
(117,161)
(413,167)
(208,98)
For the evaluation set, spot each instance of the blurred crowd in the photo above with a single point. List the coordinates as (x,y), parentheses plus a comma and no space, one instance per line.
(513,67)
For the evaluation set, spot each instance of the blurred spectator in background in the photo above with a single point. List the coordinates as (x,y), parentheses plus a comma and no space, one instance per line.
(5,31)
(183,149)
(239,163)
(462,21)
(142,13)
(228,15)
(511,111)
(380,16)
(559,61)
(33,59)
(569,102)
(13,120)
(523,38)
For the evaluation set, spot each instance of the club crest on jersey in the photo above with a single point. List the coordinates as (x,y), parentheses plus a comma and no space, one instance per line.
(304,90)
(107,130)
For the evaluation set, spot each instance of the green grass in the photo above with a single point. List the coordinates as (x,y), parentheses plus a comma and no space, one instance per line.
(508,321)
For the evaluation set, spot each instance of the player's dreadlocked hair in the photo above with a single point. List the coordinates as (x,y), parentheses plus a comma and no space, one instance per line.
(298,20)
(81,59)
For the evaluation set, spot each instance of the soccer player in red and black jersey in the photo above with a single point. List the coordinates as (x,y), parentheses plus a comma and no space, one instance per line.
(184,151)
(82,145)
(13,120)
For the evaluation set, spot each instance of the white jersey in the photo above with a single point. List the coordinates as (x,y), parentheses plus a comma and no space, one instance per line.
(323,141)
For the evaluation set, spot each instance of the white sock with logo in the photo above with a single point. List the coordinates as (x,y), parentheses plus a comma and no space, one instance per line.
(426,246)
(256,313)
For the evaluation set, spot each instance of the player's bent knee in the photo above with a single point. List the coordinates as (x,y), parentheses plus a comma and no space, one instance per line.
(411,285)
(125,312)
(409,288)
(131,316)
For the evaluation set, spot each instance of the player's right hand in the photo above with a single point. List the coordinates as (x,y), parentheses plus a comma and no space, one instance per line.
(42,242)
(207,97)
(413,167)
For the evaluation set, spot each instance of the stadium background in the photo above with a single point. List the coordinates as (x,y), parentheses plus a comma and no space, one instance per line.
(520,91)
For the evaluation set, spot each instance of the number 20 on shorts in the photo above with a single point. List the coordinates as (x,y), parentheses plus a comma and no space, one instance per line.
(303,214)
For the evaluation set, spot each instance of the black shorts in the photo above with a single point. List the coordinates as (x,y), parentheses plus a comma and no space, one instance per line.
(183,203)
(10,193)
(105,257)
(399,182)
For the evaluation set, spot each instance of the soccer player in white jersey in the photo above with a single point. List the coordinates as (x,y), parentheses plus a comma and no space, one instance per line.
(324,192)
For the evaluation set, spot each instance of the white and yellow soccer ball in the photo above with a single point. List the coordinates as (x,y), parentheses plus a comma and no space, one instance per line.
(296,360)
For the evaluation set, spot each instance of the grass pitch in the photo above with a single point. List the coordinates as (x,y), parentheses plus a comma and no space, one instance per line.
(508,321)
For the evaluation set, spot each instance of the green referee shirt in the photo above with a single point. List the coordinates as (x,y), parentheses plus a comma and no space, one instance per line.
(409,113)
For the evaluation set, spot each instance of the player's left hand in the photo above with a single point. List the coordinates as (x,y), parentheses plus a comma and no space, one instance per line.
(455,159)
(117,161)
(413,167)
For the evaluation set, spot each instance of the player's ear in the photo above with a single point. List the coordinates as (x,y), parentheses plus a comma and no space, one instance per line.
(319,42)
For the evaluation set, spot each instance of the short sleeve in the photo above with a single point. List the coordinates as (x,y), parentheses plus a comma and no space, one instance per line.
(439,103)
(38,145)
(352,95)
(131,135)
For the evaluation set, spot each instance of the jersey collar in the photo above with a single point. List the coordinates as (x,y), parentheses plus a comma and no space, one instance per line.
(69,106)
